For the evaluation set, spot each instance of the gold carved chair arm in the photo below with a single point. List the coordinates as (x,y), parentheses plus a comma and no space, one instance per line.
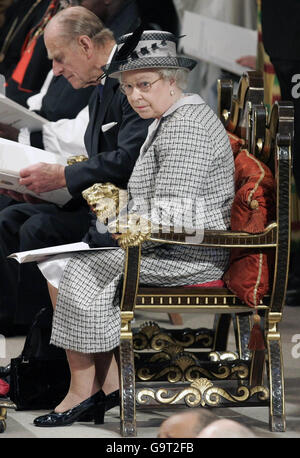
(105,200)
(213,238)
(131,231)
(217,238)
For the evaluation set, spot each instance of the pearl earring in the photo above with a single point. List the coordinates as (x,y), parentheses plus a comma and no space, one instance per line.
(172,92)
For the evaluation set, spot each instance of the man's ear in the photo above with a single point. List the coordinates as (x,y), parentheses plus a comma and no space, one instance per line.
(86,45)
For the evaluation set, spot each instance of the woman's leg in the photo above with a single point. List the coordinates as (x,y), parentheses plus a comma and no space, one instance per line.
(89,372)
(111,382)
(84,381)
(53,292)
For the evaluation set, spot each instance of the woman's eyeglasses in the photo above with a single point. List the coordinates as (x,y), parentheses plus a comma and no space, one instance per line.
(143,86)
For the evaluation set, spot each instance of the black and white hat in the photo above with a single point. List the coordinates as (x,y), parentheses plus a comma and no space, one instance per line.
(148,49)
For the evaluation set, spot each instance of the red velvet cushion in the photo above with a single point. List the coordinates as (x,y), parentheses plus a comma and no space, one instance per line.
(4,387)
(236,143)
(209,284)
(252,210)
(254,203)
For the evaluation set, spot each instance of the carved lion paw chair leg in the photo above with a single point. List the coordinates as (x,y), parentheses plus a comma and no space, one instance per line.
(160,368)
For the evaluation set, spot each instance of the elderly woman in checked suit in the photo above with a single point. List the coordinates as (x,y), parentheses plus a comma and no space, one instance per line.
(185,159)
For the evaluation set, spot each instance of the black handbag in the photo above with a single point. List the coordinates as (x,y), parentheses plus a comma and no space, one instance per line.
(40,376)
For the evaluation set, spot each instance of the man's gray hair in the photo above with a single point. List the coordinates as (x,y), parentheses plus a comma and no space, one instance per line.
(75,21)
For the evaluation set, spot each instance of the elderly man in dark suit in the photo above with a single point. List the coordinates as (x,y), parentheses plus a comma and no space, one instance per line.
(113,140)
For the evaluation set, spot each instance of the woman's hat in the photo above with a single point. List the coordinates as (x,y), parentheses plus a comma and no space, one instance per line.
(148,49)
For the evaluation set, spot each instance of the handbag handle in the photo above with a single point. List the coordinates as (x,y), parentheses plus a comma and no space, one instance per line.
(30,341)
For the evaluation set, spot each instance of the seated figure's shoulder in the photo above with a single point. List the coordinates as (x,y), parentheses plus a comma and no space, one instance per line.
(196,118)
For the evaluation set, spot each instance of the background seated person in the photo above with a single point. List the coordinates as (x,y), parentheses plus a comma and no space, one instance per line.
(202,423)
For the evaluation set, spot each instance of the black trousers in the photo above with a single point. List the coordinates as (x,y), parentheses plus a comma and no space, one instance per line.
(23,289)
(285,71)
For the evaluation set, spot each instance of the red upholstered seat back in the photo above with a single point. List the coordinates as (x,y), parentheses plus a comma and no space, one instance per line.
(253,208)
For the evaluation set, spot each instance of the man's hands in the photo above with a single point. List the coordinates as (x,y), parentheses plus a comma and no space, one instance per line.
(38,178)
(247,61)
(43,177)
(9,132)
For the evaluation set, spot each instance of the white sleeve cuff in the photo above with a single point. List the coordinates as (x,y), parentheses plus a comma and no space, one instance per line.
(24,136)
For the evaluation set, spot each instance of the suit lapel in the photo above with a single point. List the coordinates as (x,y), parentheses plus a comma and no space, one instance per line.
(101,110)
(91,135)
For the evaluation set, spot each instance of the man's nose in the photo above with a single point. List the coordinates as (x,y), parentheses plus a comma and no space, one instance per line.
(57,68)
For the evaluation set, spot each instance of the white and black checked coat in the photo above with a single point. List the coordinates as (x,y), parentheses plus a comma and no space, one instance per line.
(186,156)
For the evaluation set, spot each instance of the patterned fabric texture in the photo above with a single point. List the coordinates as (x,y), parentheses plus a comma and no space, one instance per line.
(187,156)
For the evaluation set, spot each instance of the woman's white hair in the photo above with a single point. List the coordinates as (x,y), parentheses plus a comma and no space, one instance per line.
(179,75)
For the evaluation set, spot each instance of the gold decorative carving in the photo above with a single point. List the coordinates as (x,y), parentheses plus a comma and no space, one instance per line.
(173,373)
(223,372)
(184,366)
(179,362)
(162,340)
(185,360)
(7,404)
(133,230)
(202,384)
(202,392)
(170,352)
(105,200)
(151,336)
(223,356)
(74,159)
(3,413)
(191,396)
(150,328)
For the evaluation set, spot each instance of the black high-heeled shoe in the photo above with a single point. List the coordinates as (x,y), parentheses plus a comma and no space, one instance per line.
(94,406)
(111,400)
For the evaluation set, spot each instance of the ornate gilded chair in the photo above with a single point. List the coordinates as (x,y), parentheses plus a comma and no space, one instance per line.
(161,368)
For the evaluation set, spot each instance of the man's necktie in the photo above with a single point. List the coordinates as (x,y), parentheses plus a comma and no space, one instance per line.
(100,89)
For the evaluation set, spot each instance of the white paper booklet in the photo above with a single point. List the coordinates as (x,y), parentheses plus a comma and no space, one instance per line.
(217,42)
(16,156)
(16,115)
(42,253)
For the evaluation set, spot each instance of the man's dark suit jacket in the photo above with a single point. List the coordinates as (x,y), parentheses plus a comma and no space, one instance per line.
(113,153)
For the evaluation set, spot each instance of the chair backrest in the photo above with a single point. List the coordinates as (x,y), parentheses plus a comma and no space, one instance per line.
(266,139)
(233,109)
(269,138)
